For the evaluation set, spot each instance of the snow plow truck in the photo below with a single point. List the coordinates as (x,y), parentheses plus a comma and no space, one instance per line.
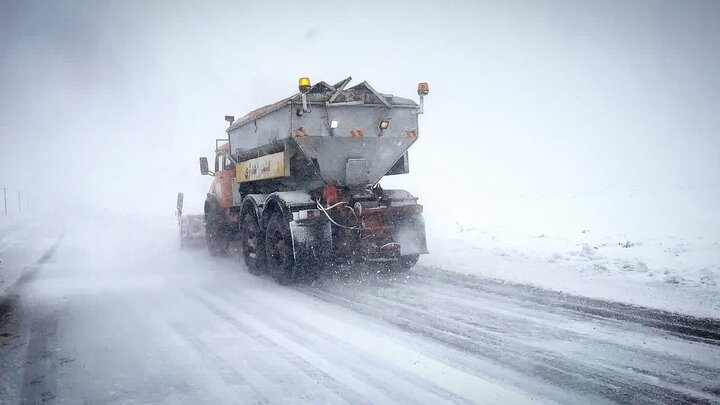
(296,183)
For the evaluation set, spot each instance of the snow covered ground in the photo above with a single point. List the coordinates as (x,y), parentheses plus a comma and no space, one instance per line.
(27,238)
(113,312)
(658,249)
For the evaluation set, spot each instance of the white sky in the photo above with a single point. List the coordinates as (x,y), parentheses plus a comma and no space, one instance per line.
(111,104)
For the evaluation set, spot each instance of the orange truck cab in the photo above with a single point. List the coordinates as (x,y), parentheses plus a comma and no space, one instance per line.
(221,187)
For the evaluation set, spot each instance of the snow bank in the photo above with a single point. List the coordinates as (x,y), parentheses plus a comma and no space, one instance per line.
(659,249)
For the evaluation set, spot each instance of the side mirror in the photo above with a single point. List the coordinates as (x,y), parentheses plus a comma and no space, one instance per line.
(204,168)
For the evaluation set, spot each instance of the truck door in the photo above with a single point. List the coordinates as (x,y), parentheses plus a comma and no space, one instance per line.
(223,181)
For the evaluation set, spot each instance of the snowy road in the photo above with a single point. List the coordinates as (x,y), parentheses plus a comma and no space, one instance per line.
(104,310)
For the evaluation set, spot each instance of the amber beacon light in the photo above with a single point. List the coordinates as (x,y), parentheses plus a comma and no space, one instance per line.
(423,90)
(304,87)
(304,84)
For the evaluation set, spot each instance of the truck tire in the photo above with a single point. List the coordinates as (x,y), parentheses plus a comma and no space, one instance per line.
(253,244)
(217,241)
(279,250)
(218,244)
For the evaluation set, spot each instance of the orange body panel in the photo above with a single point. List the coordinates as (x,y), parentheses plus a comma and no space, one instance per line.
(221,187)
(222,184)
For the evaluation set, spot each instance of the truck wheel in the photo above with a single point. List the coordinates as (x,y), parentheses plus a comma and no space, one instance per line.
(217,242)
(278,246)
(253,244)
(218,245)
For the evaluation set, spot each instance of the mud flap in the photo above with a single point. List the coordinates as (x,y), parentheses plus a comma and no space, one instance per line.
(312,240)
(410,234)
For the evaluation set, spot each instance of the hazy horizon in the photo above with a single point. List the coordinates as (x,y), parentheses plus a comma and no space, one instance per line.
(110,104)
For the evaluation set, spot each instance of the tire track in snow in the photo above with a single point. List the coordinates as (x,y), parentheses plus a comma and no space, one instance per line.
(523,326)
(706,330)
(620,382)
(41,364)
(305,361)
(40,377)
(243,361)
(30,272)
(534,324)
(10,300)
(519,356)
(246,391)
(406,387)
(366,337)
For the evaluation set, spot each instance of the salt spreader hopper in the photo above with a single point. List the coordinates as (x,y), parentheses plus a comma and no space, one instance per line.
(297,182)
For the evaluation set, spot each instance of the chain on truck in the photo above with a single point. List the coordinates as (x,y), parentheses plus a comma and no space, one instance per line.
(296,182)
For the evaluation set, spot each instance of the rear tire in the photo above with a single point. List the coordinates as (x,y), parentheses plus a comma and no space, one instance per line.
(217,240)
(279,250)
(218,244)
(253,245)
